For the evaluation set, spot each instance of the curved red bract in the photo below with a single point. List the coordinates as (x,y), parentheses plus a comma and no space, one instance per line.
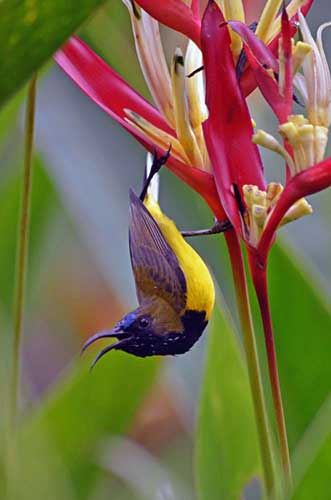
(113,94)
(309,181)
(103,85)
(228,130)
(261,57)
(176,15)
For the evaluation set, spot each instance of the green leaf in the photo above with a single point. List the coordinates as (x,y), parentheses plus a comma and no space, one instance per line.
(37,472)
(8,115)
(312,458)
(30,32)
(316,483)
(43,202)
(86,407)
(227,447)
(302,323)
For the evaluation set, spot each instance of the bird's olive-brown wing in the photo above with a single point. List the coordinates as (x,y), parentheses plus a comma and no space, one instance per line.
(155,265)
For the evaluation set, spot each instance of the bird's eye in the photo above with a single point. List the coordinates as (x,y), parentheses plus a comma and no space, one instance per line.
(143,322)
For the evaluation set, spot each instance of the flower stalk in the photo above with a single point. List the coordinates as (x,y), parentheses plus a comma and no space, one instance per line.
(250,347)
(259,277)
(22,247)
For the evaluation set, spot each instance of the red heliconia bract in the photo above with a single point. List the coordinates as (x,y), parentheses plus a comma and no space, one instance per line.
(176,15)
(113,94)
(228,131)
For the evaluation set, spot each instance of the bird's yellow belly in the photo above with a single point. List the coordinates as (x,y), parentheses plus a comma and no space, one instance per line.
(200,286)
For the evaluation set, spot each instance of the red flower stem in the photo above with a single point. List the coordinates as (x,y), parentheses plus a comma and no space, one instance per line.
(239,277)
(309,181)
(22,248)
(259,276)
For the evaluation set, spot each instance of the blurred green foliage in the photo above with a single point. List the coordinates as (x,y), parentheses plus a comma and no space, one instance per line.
(312,458)
(227,448)
(302,329)
(43,202)
(30,32)
(109,28)
(82,410)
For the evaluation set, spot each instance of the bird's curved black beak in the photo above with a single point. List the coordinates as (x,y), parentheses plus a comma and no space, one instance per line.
(115,333)
(101,335)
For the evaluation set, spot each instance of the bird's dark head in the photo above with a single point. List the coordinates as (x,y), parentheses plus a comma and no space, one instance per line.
(153,329)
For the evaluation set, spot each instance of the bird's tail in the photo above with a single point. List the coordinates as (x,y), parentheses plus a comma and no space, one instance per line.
(151,178)
(154,184)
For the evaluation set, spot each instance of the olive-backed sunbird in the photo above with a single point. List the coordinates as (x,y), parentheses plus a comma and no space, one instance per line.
(174,287)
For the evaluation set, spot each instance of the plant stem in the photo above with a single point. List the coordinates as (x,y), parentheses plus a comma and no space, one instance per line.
(259,276)
(254,374)
(22,246)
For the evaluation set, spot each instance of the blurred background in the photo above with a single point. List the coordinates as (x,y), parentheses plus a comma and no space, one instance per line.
(129,419)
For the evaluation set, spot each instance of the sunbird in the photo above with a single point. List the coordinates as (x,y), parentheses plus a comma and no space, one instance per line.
(174,287)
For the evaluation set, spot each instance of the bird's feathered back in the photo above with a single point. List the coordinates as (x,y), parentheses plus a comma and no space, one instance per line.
(156,268)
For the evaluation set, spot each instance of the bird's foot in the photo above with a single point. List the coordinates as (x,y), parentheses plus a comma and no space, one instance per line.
(218,227)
